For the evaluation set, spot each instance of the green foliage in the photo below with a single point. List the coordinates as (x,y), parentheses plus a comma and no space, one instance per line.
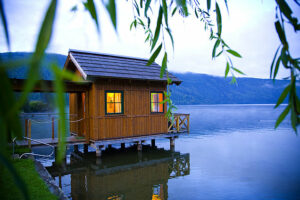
(4,22)
(90,7)
(37,106)
(284,18)
(35,186)
(10,107)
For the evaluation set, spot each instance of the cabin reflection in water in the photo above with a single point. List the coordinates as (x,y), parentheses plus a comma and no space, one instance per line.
(123,174)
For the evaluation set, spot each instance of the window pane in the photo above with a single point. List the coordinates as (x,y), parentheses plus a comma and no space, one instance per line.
(110,108)
(154,107)
(110,97)
(160,107)
(118,97)
(160,97)
(153,97)
(118,107)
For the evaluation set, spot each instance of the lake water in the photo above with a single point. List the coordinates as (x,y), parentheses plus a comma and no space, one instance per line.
(232,152)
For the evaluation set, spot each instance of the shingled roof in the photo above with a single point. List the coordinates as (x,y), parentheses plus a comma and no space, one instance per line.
(98,65)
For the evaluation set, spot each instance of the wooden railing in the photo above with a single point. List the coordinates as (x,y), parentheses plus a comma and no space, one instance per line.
(180,124)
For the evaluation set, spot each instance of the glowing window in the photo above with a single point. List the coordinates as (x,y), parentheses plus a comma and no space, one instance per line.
(114,102)
(156,105)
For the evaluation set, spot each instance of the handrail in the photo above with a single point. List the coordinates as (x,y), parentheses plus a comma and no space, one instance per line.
(34,154)
(180,123)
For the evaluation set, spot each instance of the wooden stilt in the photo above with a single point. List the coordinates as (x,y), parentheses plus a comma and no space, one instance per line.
(75,148)
(109,146)
(98,152)
(153,142)
(139,146)
(122,145)
(172,143)
(85,148)
(98,149)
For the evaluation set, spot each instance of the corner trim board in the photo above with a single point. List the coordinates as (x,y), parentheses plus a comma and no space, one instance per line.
(78,66)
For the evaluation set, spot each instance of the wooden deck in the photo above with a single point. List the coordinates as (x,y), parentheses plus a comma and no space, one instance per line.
(72,140)
(178,126)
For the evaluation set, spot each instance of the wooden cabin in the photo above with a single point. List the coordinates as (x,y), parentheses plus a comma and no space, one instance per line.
(123,99)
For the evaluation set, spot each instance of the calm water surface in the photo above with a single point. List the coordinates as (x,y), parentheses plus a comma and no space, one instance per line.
(232,152)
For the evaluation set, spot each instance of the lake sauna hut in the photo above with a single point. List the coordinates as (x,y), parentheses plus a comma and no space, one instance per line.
(121,102)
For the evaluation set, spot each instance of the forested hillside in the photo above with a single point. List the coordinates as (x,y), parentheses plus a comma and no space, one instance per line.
(195,89)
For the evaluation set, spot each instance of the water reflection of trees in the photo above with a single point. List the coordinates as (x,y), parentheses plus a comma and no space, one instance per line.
(123,174)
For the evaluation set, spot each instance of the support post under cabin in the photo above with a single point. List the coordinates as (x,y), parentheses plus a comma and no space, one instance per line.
(75,148)
(85,148)
(172,143)
(99,151)
(153,142)
(139,146)
(122,146)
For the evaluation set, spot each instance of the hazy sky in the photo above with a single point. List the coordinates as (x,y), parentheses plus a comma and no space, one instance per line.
(248,28)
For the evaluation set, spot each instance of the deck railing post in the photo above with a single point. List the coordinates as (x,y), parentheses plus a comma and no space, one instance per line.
(177,124)
(26,127)
(188,123)
(29,133)
(52,128)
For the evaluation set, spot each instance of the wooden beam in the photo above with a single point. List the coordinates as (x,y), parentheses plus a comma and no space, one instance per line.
(48,86)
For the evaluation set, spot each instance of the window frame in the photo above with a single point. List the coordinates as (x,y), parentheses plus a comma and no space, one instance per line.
(158,102)
(122,101)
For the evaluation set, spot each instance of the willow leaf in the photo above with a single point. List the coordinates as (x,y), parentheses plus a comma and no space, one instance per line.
(4,22)
(154,55)
(276,67)
(217,43)
(136,7)
(147,5)
(232,52)
(183,7)
(174,11)
(171,36)
(233,80)
(280,33)
(60,103)
(90,6)
(273,61)
(282,115)
(285,9)
(283,95)
(227,69)
(219,19)
(165,11)
(208,2)
(41,45)
(111,8)
(163,65)
(158,26)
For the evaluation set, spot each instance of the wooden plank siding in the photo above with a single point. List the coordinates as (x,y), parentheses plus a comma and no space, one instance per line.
(137,120)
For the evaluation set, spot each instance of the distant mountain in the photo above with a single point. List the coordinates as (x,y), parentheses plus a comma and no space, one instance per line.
(195,88)
(206,89)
